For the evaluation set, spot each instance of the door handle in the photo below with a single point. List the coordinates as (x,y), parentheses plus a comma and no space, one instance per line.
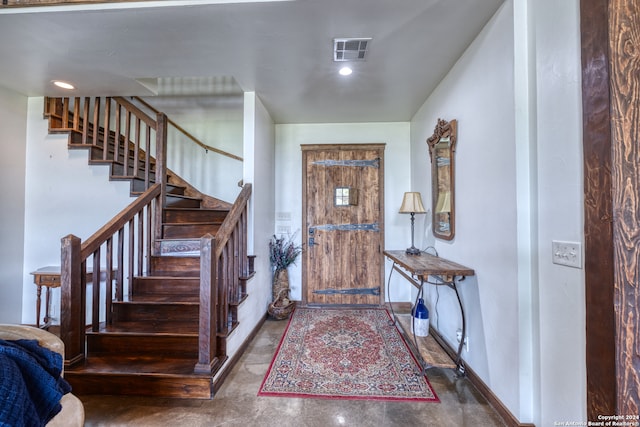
(312,240)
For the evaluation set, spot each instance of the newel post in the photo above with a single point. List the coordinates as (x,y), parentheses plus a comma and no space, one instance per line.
(161,176)
(207,335)
(72,300)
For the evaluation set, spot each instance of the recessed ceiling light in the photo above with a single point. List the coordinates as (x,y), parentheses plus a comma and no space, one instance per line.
(63,85)
(345,71)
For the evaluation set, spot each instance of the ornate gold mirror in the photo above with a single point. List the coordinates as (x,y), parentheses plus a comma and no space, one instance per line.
(442,147)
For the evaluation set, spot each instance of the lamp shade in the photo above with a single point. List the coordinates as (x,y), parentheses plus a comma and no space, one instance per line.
(412,203)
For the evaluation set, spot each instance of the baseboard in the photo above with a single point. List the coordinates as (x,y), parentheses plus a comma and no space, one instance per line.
(400,307)
(224,373)
(482,388)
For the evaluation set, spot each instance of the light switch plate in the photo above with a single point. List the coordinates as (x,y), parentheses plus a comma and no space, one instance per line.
(283,216)
(283,229)
(567,253)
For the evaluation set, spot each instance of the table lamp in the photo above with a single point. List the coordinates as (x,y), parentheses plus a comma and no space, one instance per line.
(412,204)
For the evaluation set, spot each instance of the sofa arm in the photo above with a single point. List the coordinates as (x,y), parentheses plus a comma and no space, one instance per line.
(23,332)
(72,413)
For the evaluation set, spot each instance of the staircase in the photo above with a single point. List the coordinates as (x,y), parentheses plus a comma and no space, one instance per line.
(173,265)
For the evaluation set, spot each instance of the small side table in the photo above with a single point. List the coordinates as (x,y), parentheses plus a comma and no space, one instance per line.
(48,277)
(417,269)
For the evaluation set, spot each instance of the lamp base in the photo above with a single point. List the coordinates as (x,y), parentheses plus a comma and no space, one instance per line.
(413,251)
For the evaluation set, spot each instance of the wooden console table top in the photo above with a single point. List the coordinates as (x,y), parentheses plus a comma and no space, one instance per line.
(425,264)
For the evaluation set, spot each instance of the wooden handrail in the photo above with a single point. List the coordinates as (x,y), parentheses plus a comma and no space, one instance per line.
(189,135)
(138,112)
(227,226)
(117,222)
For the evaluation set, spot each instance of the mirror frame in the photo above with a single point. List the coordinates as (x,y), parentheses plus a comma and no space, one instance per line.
(444,132)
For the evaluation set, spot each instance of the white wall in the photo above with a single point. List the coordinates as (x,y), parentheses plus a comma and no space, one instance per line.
(516,94)
(288,200)
(259,143)
(479,93)
(559,151)
(13,128)
(63,195)
(217,122)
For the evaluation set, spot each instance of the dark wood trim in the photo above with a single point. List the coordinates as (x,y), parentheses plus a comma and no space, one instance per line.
(624,25)
(598,230)
(72,299)
(226,370)
(208,327)
(504,413)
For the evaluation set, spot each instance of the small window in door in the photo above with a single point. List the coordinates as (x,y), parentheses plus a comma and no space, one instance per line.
(345,196)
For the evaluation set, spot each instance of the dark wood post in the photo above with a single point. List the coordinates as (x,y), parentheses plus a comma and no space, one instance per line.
(624,26)
(208,302)
(598,211)
(73,301)
(161,174)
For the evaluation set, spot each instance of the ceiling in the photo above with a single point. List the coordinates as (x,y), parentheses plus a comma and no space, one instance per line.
(282,50)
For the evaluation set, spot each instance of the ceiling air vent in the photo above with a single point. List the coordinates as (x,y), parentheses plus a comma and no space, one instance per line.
(352,49)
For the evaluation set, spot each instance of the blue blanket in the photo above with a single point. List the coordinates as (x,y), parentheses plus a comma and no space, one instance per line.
(30,383)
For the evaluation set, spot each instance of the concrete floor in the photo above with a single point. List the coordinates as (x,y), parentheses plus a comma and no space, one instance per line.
(237,403)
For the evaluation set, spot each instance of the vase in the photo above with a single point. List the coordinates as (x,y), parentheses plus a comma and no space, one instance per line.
(281,307)
(280,282)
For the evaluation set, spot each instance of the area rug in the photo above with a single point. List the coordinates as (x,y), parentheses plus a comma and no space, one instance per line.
(345,354)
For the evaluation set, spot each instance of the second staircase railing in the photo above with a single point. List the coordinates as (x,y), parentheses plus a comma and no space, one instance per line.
(224,265)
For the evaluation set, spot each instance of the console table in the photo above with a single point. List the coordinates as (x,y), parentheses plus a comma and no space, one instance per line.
(49,277)
(417,269)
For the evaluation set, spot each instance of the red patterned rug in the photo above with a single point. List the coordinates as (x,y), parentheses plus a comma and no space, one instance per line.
(345,354)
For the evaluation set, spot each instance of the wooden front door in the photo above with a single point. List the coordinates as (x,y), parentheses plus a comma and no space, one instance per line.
(343,188)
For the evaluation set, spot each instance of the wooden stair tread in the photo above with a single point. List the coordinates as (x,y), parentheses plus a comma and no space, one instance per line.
(187,224)
(171,378)
(125,330)
(160,299)
(146,328)
(169,274)
(182,196)
(218,211)
(138,365)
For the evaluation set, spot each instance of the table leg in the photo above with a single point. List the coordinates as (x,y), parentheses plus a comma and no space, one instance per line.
(47,319)
(460,369)
(38,293)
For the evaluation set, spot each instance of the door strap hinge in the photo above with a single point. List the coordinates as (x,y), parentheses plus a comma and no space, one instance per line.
(353,291)
(345,227)
(375,163)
